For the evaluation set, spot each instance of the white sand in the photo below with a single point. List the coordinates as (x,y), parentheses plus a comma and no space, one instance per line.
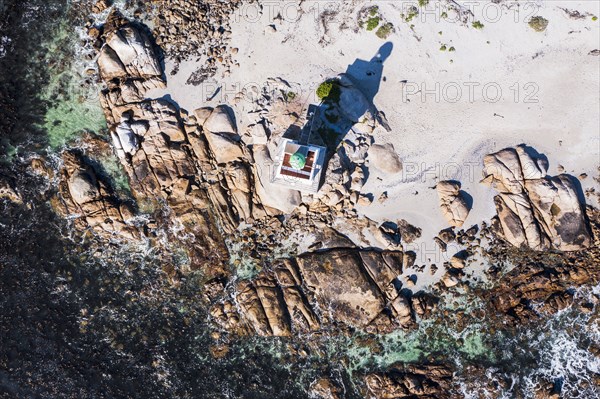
(441,139)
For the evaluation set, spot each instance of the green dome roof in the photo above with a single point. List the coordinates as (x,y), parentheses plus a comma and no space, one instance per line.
(298,161)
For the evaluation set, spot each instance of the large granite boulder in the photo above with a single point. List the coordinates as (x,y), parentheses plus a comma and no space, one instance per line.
(125,137)
(452,202)
(385,158)
(355,285)
(543,282)
(126,53)
(195,165)
(165,166)
(88,201)
(83,186)
(224,148)
(342,287)
(411,381)
(220,120)
(155,150)
(221,132)
(536,210)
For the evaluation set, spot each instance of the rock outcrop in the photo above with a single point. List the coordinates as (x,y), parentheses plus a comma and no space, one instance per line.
(325,388)
(101,5)
(188,28)
(88,201)
(411,381)
(128,52)
(196,162)
(385,158)
(226,170)
(542,282)
(535,210)
(452,202)
(209,180)
(343,287)
(7,191)
(151,139)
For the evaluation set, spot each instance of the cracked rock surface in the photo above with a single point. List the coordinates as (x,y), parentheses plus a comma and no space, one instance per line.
(535,210)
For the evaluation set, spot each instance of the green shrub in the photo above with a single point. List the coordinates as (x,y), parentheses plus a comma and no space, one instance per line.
(372,23)
(385,30)
(443,48)
(478,25)
(452,49)
(289,96)
(594,18)
(373,11)
(412,12)
(538,24)
(423,3)
(329,90)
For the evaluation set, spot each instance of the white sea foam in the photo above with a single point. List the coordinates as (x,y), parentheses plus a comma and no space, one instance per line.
(555,352)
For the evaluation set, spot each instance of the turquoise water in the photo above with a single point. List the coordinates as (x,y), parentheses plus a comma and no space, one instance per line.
(436,338)
(50,99)
(73,103)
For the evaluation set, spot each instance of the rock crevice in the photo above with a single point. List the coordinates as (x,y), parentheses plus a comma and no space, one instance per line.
(535,210)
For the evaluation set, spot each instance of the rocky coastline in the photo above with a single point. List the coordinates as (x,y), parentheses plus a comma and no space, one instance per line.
(157,270)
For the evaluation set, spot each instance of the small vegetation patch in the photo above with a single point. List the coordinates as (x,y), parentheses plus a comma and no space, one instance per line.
(478,25)
(538,24)
(289,95)
(329,90)
(423,3)
(385,30)
(372,23)
(369,18)
(411,13)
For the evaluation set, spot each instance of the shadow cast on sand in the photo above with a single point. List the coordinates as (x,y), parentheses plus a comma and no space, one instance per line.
(332,119)
(367,75)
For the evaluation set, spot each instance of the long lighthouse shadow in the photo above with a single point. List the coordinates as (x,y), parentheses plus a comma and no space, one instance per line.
(367,75)
(349,101)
